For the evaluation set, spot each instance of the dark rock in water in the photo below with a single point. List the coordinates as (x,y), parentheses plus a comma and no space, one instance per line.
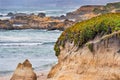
(32,14)
(42,15)
(62,17)
(10,14)
(1,15)
(24,72)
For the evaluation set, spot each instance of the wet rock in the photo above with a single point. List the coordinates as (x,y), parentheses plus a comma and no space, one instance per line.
(1,15)
(42,15)
(10,14)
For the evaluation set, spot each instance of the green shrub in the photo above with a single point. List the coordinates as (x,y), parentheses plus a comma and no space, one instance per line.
(82,32)
(90,46)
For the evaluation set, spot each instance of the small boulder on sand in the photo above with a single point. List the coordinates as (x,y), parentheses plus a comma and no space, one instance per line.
(24,71)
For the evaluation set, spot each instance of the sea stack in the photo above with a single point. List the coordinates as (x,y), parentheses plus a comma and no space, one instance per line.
(24,71)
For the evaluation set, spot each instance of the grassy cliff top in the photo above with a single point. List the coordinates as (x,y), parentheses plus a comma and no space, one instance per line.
(82,32)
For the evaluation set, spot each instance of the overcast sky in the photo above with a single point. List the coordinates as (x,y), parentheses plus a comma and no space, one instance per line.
(49,3)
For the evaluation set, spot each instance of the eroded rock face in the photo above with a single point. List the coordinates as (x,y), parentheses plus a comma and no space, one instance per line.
(24,71)
(99,59)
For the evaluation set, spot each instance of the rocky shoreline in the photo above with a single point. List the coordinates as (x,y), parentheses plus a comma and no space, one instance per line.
(88,50)
(41,21)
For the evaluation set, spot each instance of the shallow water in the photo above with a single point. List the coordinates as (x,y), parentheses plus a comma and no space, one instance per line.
(35,45)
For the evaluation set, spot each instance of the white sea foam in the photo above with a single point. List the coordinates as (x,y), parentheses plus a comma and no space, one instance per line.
(19,44)
(35,45)
(5,18)
(13,38)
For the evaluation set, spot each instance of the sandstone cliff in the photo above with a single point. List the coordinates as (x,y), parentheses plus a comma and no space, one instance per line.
(24,72)
(89,50)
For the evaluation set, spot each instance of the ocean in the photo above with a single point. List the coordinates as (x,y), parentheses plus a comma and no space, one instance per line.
(56,11)
(35,45)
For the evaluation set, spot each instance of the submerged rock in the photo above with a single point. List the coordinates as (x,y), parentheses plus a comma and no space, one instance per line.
(24,71)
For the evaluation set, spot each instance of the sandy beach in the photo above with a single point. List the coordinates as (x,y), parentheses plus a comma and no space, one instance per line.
(40,76)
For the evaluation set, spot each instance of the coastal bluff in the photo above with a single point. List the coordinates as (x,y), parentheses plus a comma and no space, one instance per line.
(88,11)
(89,50)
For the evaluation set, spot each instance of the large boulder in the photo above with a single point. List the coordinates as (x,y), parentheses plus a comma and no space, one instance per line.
(24,71)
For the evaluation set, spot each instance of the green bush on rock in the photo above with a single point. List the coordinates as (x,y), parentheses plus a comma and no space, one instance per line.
(82,32)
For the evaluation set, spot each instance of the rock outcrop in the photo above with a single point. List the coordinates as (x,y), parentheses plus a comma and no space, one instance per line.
(24,71)
(86,9)
(89,50)
(80,13)
(24,21)
(95,10)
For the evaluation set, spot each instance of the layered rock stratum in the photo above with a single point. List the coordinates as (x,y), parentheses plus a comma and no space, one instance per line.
(89,50)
